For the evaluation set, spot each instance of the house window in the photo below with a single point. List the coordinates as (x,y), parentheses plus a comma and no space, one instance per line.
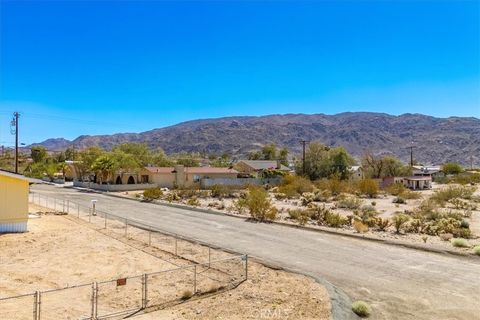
(196,178)
(144,178)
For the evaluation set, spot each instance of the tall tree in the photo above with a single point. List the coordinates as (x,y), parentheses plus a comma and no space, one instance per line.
(38,154)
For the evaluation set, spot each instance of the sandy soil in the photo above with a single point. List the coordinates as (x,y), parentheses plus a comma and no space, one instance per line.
(60,251)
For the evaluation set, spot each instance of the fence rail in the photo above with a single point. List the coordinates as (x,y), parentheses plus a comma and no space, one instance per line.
(115,297)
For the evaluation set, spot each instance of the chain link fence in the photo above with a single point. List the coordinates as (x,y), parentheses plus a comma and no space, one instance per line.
(118,297)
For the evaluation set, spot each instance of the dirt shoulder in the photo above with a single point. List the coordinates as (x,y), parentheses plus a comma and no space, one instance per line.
(59,251)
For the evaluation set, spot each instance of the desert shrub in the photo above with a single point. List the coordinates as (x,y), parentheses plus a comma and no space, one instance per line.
(460,192)
(240,205)
(464,179)
(172,196)
(396,189)
(349,202)
(367,214)
(368,187)
(307,198)
(399,200)
(462,233)
(446,236)
(373,203)
(459,242)
(301,216)
(410,195)
(476,250)
(193,201)
(221,191)
(322,195)
(259,205)
(318,213)
(399,221)
(152,194)
(361,308)
(280,196)
(294,186)
(382,224)
(334,220)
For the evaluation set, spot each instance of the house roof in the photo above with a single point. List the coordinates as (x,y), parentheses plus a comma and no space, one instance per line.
(19,176)
(418,178)
(264,164)
(203,170)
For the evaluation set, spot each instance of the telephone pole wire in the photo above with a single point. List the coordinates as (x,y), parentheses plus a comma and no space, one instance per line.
(16,115)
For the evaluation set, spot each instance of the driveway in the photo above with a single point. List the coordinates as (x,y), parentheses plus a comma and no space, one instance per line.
(399,283)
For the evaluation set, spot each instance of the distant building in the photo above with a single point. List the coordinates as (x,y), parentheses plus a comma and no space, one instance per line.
(428,171)
(414,182)
(181,176)
(356,172)
(256,167)
(14,190)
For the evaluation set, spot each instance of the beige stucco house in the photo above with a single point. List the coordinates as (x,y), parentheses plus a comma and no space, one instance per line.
(180,176)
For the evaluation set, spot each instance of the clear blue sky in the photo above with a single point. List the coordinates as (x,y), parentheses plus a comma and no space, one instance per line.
(134,66)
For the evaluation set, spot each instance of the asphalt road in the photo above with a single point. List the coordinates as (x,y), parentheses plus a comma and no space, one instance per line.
(399,283)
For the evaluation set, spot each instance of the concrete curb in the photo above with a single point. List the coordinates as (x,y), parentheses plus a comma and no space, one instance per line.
(321,230)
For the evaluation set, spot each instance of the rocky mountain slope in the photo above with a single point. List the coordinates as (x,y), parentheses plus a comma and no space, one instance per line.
(436,140)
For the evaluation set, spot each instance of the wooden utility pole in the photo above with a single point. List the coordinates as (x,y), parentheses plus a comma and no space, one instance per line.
(304,143)
(411,154)
(16,115)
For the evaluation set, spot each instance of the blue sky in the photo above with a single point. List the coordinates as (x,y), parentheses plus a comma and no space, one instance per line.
(89,67)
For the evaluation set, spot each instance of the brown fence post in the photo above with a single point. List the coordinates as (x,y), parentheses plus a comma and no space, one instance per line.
(94,301)
(35,306)
(246,267)
(105,219)
(39,305)
(126,225)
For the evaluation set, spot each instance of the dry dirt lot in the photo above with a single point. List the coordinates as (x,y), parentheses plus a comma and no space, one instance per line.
(60,251)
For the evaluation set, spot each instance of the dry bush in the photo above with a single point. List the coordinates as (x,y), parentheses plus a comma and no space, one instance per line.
(459,243)
(259,205)
(453,192)
(368,187)
(399,221)
(359,226)
(193,201)
(349,202)
(221,191)
(299,215)
(152,194)
(294,186)
(361,308)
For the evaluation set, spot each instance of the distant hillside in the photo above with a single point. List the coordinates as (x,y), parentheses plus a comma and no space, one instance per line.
(436,139)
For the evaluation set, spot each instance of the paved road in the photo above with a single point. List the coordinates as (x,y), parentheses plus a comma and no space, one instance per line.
(399,283)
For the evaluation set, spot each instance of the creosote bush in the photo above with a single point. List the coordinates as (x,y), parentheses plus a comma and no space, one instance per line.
(476,250)
(152,194)
(294,186)
(368,187)
(459,243)
(349,202)
(361,308)
(451,192)
(399,220)
(259,205)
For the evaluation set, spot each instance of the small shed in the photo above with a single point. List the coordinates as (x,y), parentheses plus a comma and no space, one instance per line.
(14,190)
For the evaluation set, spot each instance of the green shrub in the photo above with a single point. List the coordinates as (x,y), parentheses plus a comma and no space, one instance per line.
(361,308)
(322,195)
(396,189)
(259,205)
(301,216)
(476,250)
(334,220)
(368,187)
(382,224)
(152,194)
(459,242)
(399,221)
(452,192)
(221,191)
(349,202)
(172,196)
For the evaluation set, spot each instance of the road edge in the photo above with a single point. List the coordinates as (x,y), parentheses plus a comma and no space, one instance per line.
(320,230)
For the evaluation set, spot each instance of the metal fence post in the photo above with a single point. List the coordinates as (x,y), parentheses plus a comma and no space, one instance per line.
(194,279)
(246,267)
(94,301)
(39,305)
(144,290)
(105,219)
(35,305)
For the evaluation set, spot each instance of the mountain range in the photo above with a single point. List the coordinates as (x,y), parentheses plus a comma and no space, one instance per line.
(435,140)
